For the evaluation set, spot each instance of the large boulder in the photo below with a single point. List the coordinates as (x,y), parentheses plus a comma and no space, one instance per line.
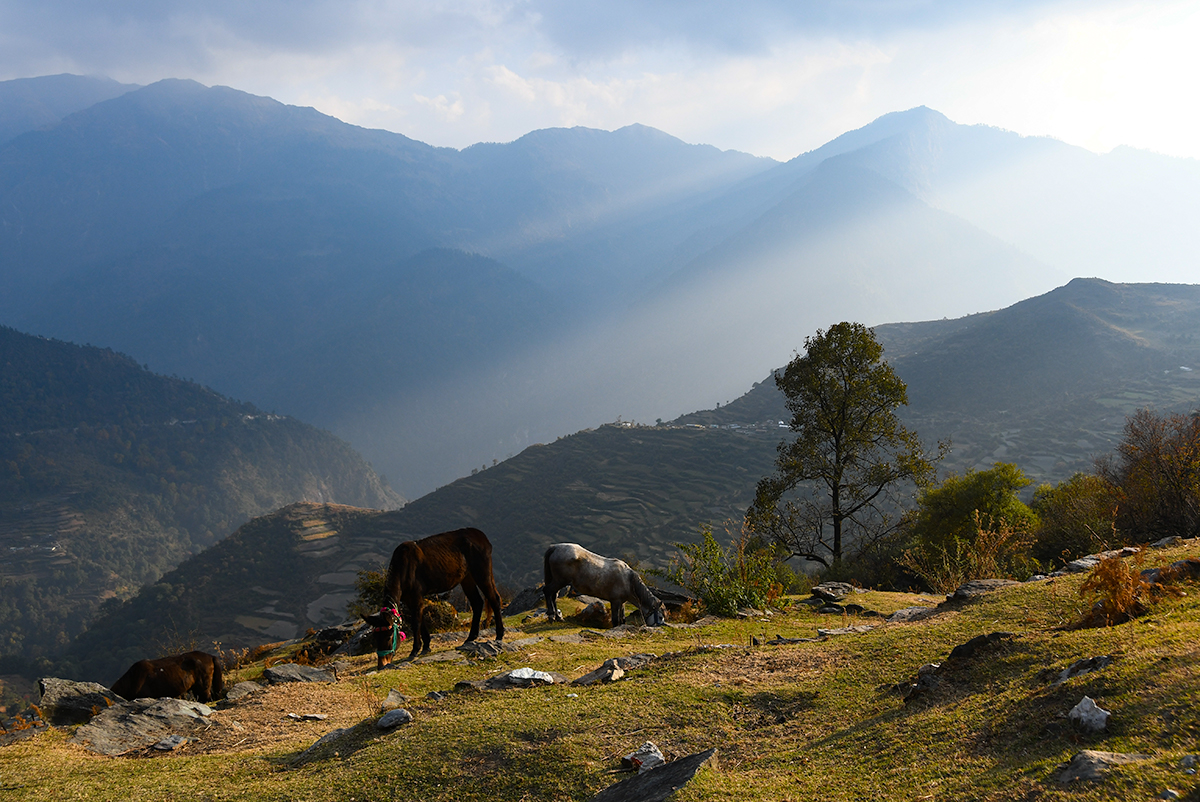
(141,723)
(66,702)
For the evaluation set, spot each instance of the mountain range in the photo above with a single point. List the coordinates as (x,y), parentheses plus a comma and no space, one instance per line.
(442,309)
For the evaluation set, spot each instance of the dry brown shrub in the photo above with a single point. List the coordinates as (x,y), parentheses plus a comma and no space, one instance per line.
(1115,593)
(991,553)
(685,613)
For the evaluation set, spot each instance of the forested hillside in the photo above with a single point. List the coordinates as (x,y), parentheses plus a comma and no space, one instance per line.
(111,475)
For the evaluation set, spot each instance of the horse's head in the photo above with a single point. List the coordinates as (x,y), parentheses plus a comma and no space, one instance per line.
(386,630)
(657,616)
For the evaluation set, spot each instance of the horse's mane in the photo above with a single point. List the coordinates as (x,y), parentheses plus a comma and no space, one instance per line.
(646,599)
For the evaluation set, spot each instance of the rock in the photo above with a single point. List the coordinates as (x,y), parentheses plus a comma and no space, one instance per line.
(609,672)
(854,609)
(927,680)
(1084,667)
(1188,762)
(1180,569)
(832,591)
(908,614)
(979,587)
(323,744)
(360,643)
(394,700)
(528,599)
(242,689)
(393,718)
(1036,578)
(170,742)
(1170,793)
(294,672)
(749,612)
(569,638)
(307,716)
(1091,765)
(644,758)
(965,653)
(779,640)
(1167,542)
(436,696)
(673,599)
(1088,716)
(66,702)
(140,723)
(527,677)
(660,783)
(854,630)
(1092,560)
(831,609)
(595,614)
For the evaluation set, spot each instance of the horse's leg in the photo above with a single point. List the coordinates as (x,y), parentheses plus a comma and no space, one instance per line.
(551,589)
(618,612)
(471,591)
(414,605)
(488,585)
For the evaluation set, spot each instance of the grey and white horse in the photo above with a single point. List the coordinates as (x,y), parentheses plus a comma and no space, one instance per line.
(604,577)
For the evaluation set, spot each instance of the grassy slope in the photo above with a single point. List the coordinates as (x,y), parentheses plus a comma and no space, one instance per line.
(795,722)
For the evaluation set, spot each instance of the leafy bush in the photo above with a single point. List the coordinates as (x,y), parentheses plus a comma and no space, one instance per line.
(726,579)
(1076,517)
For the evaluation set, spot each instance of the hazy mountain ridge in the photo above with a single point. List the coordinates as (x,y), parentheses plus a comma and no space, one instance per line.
(246,244)
(110,475)
(27,104)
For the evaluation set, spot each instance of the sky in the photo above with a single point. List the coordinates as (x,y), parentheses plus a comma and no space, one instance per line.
(770,77)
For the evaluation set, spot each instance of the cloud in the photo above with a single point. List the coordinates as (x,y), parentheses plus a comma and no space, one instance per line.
(770,77)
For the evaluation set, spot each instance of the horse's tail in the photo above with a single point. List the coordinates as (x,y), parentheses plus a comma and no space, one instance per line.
(218,679)
(546,575)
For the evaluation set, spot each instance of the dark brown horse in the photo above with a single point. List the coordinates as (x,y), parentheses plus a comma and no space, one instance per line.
(437,564)
(196,674)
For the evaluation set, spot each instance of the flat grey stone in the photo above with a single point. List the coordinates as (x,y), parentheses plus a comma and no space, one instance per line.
(658,784)
(170,742)
(832,591)
(393,718)
(242,689)
(854,630)
(294,672)
(568,638)
(1084,667)
(394,700)
(908,614)
(979,587)
(1092,765)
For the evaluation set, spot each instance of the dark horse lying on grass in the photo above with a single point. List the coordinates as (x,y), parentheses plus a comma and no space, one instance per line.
(604,577)
(195,674)
(437,564)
